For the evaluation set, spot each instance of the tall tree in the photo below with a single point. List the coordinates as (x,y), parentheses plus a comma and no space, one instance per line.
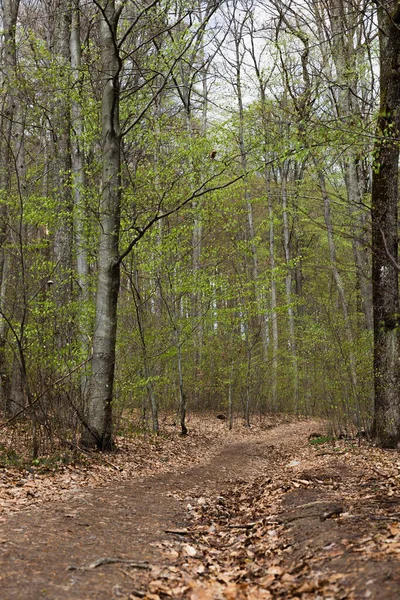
(59,26)
(98,431)
(385,198)
(10,10)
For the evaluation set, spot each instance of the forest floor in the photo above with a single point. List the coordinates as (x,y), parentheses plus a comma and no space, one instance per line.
(274,512)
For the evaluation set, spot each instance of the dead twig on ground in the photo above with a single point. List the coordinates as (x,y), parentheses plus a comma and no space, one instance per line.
(178,531)
(110,561)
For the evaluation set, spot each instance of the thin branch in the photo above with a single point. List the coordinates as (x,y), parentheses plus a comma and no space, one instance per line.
(39,396)
(196,194)
(387,251)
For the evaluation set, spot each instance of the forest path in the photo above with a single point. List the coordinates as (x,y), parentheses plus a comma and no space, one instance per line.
(124,520)
(273,516)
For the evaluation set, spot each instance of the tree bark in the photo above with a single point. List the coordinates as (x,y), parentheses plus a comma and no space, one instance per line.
(288,286)
(79,187)
(60,15)
(352,367)
(10,14)
(274,305)
(99,411)
(147,372)
(258,323)
(345,48)
(385,274)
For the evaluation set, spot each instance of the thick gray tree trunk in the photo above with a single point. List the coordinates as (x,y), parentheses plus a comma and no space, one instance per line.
(99,411)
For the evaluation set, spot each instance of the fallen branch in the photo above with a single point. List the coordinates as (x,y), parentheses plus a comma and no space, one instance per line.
(110,561)
(379,472)
(334,511)
(312,504)
(177,531)
(138,594)
(331,511)
(394,518)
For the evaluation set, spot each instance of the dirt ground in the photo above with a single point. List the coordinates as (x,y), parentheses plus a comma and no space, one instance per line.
(269,517)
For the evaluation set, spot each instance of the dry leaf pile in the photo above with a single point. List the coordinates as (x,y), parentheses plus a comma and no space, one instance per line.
(248,544)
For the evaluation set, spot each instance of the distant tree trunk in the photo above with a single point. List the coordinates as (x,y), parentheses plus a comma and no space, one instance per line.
(99,410)
(182,393)
(359,226)
(385,199)
(17,396)
(274,300)
(79,185)
(230,395)
(352,369)
(345,49)
(258,323)
(78,159)
(271,217)
(9,16)
(288,285)
(185,88)
(248,388)
(59,45)
(147,373)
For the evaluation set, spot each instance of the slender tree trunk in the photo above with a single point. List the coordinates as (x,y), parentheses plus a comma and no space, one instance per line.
(230,395)
(10,14)
(147,373)
(59,45)
(385,271)
(78,159)
(274,299)
(17,395)
(288,286)
(248,388)
(182,393)
(258,323)
(352,370)
(345,51)
(99,410)
(359,226)
(272,252)
(79,187)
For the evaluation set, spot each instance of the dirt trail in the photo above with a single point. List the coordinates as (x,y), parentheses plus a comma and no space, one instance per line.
(124,520)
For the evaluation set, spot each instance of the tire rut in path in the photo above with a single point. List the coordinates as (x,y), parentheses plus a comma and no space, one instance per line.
(124,520)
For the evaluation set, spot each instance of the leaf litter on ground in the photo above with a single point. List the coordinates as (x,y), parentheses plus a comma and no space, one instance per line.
(275,533)
(242,543)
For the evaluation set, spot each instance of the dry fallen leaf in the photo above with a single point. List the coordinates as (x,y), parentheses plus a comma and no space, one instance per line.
(201,593)
(190,550)
(308,587)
